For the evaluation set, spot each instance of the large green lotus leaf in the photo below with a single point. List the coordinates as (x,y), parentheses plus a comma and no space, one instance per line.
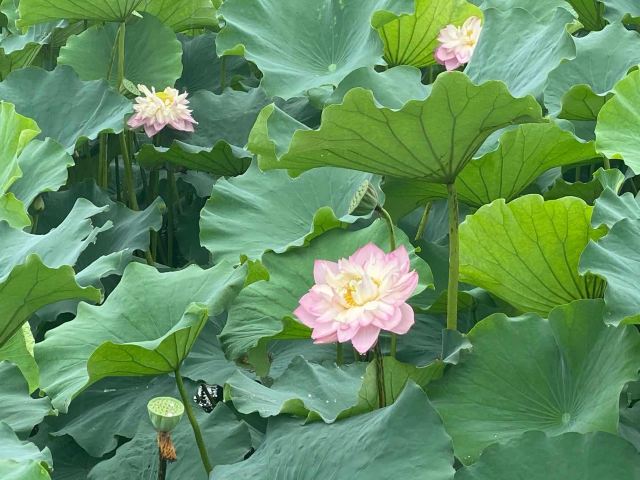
(19,351)
(626,10)
(541,9)
(44,96)
(22,460)
(202,69)
(19,410)
(365,446)
(290,212)
(522,156)
(618,127)
(326,390)
(17,131)
(263,310)
(178,14)
(152,53)
(411,39)
(147,326)
(319,42)
(114,407)
(31,286)
(579,87)
(570,456)
(227,440)
(520,49)
(527,252)
(432,139)
(71,461)
(559,375)
(217,145)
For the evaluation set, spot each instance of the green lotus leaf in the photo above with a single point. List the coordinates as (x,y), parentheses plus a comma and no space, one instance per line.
(22,460)
(147,326)
(433,139)
(541,9)
(570,456)
(625,10)
(578,88)
(522,156)
(506,45)
(44,96)
(618,127)
(113,407)
(263,310)
(587,191)
(178,14)
(19,410)
(217,145)
(337,39)
(19,351)
(411,422)
(152,53)
(564,374)
(289,212)
(526,252)
(615,256)
(590,13)
(227,441)
(31,286)
(411,39)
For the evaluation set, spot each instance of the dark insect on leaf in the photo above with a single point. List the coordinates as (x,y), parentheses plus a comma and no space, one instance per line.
(249,453)
(208,396)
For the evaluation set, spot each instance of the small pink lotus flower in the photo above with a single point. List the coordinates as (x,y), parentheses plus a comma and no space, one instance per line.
(156,110)
(458,43)
(357,297)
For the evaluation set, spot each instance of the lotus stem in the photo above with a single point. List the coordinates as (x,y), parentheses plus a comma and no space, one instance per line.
(103,162)
(128,171)
(382,397)
(606,163)
(339,354)
(194,423)
(121,47)
(393,245)
(454,259)
(423,221)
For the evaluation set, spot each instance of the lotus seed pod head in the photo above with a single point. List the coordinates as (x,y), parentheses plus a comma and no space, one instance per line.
(367,198)
(165,413)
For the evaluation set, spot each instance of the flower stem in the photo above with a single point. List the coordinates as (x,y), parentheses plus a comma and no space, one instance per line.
(454,259)
(103,163)
(339,354)
(423,221)
(392,233)
(162,467)
(128,171)
(223,73)
(394,345)
(194,423)
(170,216)
(606,163)
(382,397)
(121,43)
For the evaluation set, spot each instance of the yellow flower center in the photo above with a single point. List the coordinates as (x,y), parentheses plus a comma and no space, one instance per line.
(348,296)
(165,97)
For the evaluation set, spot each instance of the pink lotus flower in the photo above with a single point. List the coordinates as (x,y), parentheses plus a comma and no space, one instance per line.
(355,298)
(458,43)
(156,110)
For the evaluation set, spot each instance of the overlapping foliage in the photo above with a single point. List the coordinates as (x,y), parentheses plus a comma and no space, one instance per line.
(135,267)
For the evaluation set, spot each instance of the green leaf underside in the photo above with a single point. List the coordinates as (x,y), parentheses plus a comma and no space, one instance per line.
(22,460)
(527,252)
(522,156)
(259,212)
(410,422)
(432,139)
(337,36)
(559,375)
(570,456)
(19,351)
(19,411)
(148,326)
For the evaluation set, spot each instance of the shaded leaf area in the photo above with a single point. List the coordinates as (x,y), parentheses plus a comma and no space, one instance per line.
(564,374)
(43,96)
(615,256)
(578,88)
(521,49)
(147,326)
(570,456)
(527,252)
(433,139)
(335,38)
(411,422)
(264,310)
(218,144)
(618,121)
(19,411)
(152,53)
(411,39)
(19,351)
(270,211)
(523,154)
(226,438)
(22,460)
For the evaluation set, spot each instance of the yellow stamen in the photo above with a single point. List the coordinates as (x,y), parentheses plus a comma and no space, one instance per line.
(165,97)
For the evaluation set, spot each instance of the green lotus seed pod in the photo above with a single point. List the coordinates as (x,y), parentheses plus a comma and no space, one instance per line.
(165,413)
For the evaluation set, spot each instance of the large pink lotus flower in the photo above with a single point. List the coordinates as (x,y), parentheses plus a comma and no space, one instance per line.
(156,110)
(355,298)
(458,43)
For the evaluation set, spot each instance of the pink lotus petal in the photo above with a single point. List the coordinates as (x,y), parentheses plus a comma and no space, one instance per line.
(365,339)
